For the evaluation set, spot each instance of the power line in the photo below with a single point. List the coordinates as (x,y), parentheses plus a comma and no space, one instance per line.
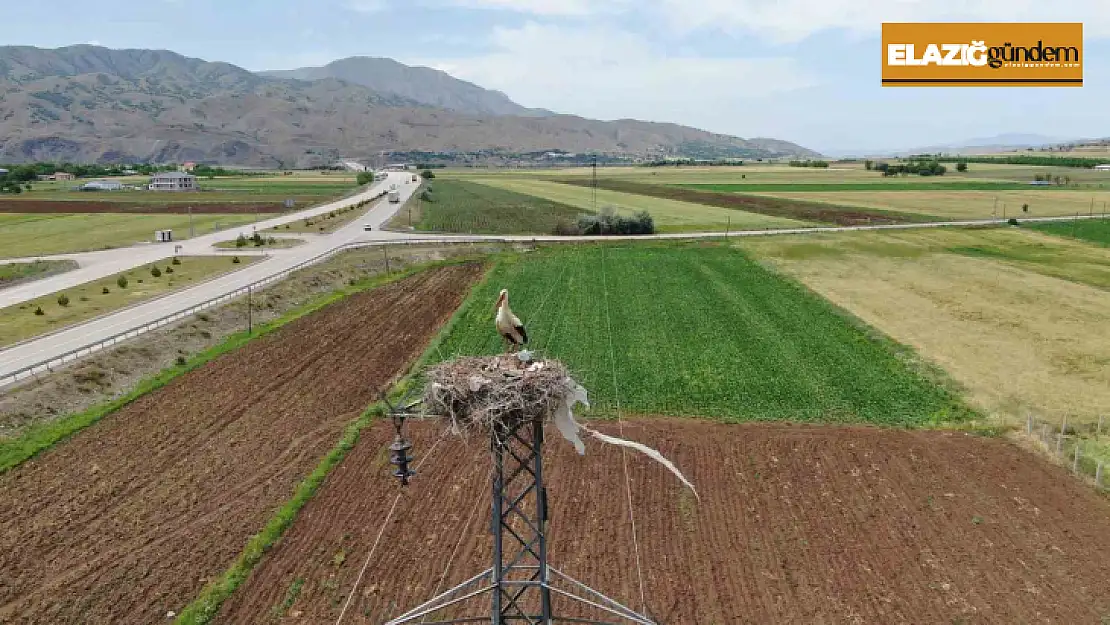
(385,523)
(620,424)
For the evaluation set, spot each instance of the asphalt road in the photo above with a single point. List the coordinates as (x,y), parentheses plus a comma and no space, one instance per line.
(59,342)
(95,265)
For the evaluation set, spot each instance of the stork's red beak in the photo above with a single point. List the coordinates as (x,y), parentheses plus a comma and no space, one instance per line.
(500,298)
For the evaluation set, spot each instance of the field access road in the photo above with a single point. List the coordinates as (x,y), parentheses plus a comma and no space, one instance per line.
(101,263)
(46,347)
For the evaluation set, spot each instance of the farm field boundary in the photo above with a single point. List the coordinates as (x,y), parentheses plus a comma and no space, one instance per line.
(801,524)
(1095,231)
(222,451)
(880,184)
(792,363)
(40,438)
(1015,317)
(669,215)
(779,207)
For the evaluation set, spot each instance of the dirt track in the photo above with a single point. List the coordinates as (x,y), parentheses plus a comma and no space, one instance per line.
(131,517)
(796,525)
(181,208)
(776,207)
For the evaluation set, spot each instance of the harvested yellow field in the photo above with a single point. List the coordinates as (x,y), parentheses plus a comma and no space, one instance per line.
(968,204)
(1018,338)
(669,215)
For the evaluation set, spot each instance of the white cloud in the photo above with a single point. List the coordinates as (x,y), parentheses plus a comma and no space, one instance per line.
(366,6)
(787,21)
(608,74)
(565,8)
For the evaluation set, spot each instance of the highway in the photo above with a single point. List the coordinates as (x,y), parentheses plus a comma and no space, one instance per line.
(94,265)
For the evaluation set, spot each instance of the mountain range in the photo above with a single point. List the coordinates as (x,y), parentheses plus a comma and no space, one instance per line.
(88,103)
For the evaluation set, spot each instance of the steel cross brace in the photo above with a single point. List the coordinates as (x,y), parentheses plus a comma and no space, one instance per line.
(520,581)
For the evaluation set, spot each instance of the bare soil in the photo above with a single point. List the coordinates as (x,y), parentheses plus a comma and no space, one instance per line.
(181,208)
(796,524)
(127,520)
(764,205)
(111,373)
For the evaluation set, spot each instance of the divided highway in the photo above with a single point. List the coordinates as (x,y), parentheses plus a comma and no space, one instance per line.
(94,265)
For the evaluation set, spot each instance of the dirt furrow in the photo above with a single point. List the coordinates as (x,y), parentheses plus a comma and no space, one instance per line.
(128,519)
(796,525)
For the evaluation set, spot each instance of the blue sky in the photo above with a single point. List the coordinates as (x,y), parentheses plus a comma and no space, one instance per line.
(801,70)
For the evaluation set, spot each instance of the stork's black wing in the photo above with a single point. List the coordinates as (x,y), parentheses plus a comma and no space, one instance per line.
(523,334)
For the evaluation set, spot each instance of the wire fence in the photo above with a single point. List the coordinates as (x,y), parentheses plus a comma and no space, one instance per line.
(1082,448)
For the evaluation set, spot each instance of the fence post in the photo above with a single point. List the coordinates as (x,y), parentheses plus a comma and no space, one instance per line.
(1060,438)
(1098,475)
(1029,424)
(1075,462)
(1098,432)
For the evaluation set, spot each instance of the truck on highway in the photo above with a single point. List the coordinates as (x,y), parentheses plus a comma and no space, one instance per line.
(394,196)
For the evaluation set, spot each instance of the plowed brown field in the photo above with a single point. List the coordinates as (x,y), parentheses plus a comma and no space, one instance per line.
(796,525)
(128,519)
(181,208)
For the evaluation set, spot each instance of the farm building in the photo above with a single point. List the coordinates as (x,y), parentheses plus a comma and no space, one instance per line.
(1104,167)
(173,181)
(3,172)
(101,185)
(61,175)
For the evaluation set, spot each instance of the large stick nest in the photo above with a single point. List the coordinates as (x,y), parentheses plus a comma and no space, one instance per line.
(477,392)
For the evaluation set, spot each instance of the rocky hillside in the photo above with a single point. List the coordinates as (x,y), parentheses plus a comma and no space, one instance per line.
(429,87)
(86,103)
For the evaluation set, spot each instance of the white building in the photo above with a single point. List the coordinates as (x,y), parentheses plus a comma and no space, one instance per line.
(102,185)
(1105,167)
(173,181)
(3,172)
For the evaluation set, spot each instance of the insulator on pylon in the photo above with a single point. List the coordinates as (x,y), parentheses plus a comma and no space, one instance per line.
(399,456)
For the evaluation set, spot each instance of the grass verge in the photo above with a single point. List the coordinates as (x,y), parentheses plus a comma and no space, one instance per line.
(85,301)
(12,274)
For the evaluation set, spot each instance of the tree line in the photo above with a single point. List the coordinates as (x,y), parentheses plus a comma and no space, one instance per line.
(1046,161)
(810,163)
(918,166)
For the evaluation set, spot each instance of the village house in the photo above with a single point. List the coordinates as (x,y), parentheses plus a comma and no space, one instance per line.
(173,181)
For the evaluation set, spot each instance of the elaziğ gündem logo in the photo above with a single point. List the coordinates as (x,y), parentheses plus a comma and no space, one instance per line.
(982,54)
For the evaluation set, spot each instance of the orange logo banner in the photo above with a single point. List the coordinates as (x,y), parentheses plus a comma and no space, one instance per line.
(982,55)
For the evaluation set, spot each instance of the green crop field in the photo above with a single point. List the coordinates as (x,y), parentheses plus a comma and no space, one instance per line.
(24,234)
(699,330)
(1093,230)
(460,206)
(669,215)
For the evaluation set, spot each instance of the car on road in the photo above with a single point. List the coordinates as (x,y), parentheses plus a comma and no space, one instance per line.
(367,227)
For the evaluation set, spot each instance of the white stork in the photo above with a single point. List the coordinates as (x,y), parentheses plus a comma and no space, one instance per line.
(508,325)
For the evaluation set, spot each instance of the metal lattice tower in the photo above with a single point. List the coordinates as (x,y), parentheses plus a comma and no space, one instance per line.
(520,583)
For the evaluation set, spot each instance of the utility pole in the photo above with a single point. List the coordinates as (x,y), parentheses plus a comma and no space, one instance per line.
(192,231)
(595,184)
(520,583)
(250,312)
